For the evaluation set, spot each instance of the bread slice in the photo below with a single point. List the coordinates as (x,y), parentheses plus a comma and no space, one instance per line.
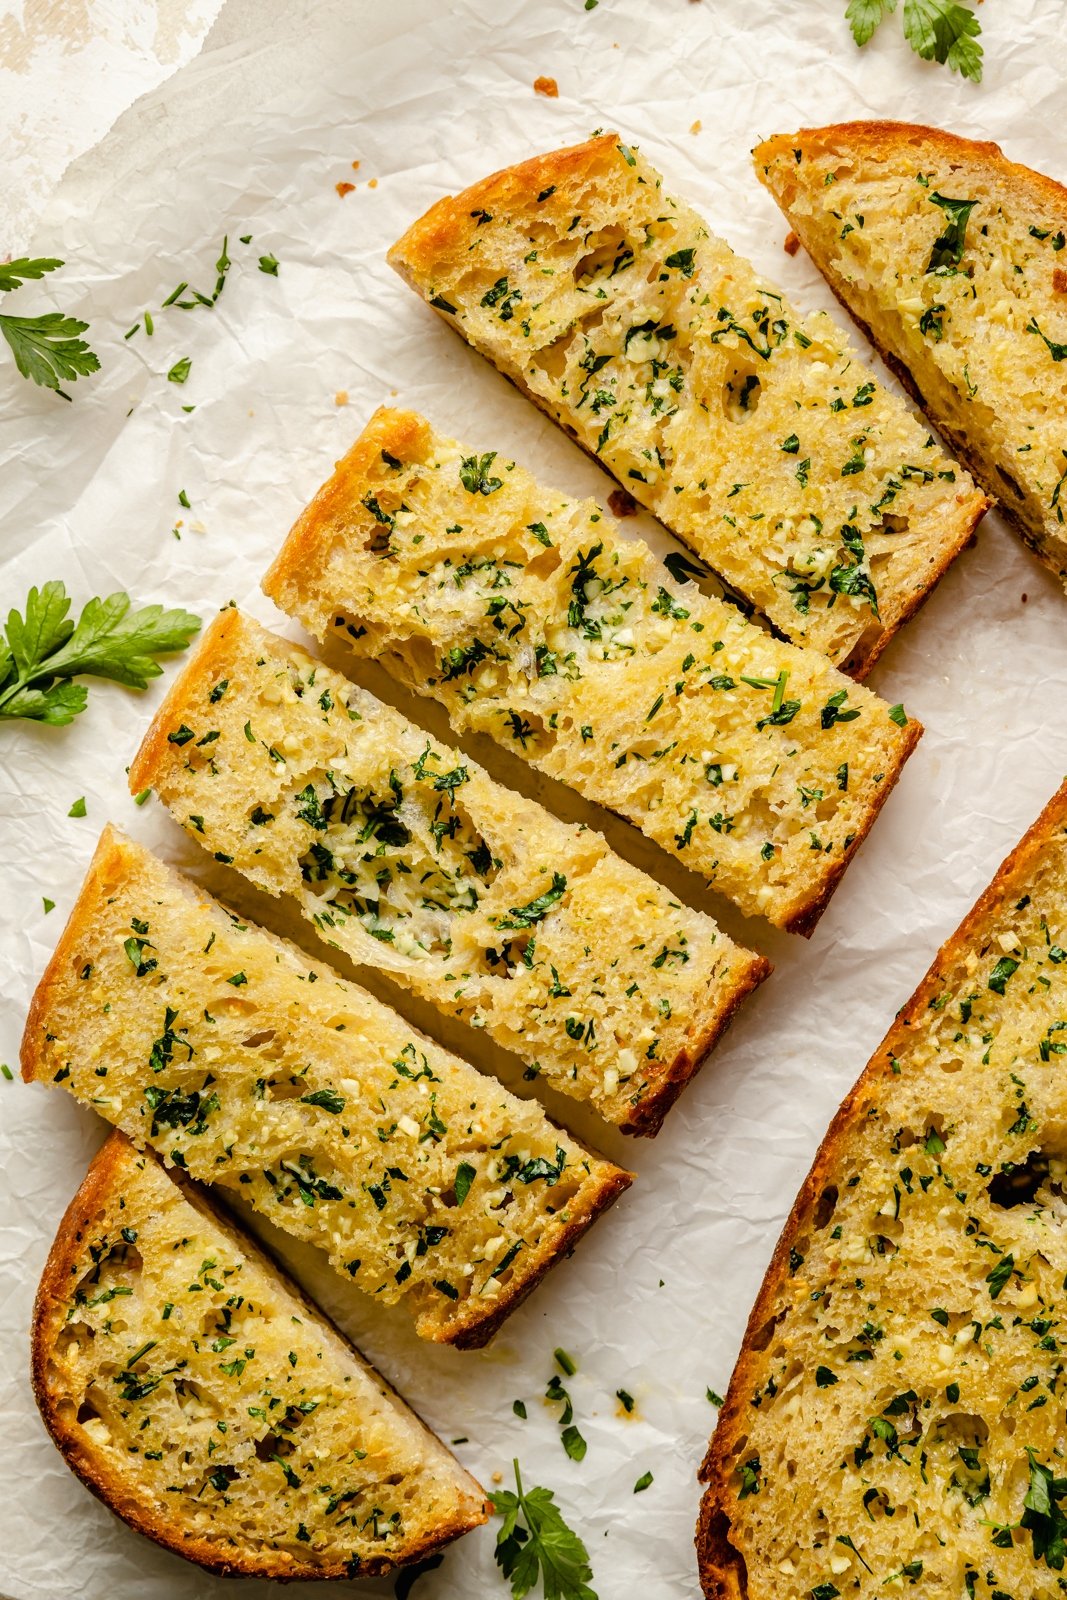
(951,258)
(895,1420)
(246,1064)
(192,1387)
(409,858)
(528,615)
(755,434)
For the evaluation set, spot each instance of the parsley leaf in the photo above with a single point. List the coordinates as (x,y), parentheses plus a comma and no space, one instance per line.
(15,273)
(937,30)
(949,245)
(43,650)
(945,31)
(863,16)
(540,1545)
(525,916)
(474,474)
(1043,1517)
(46,348)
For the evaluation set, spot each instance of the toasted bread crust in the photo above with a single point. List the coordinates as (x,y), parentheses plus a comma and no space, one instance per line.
(882,139)
(103,1182)
(722,1566)
(441,239)
(476,1322)
(302,571)
(154,759)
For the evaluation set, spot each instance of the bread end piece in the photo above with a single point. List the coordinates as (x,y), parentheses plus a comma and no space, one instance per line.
(98,1198)
(722,1566)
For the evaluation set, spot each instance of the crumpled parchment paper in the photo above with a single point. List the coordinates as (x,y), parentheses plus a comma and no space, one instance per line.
(251,138)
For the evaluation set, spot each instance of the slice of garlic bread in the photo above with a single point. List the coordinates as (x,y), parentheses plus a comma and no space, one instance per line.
(411,859)
(895,1420)
(194,1389)
(952,258)
(756,435)
(529,616)
(246,1064)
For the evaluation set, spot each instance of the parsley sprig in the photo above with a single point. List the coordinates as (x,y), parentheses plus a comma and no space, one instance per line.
(42,650)
(539,1545)
(48,348)
(937,30)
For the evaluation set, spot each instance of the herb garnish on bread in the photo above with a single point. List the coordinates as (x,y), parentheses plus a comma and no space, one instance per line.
(411,859)
(248,1065)
(756,435)
(953,259)
(895,1420)
(193,1388)
(528,615)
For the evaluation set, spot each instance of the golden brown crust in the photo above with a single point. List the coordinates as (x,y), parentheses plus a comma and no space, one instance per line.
(720,1564)
(480,1333)
(104,1178)
(646,1119)
(805,921)
(442,235)
(889,136)
(108,864)
(475,1325)
(403,433)
(434,234)
(157,752)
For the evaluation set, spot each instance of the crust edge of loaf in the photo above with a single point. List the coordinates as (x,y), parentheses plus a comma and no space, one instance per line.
(476,1323)
(721,1565)
(105,1172)
(434,234)
(873,136)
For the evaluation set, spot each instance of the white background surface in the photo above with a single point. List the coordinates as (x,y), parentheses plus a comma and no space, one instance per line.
(251,138)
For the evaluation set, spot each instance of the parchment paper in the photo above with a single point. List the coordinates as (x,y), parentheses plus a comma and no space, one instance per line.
(252,138)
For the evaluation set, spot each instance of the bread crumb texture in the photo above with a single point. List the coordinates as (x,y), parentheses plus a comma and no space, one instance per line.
(247,1065)
(895,1420)
(755,434)
(408,857)
(951,256)
(528,615)
(203,1399)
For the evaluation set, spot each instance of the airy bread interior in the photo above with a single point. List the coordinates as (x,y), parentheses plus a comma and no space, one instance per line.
(755,434)
(212,1407)
(247,1065)
(953,258)
(895,1420)
(532,620)
(407,856)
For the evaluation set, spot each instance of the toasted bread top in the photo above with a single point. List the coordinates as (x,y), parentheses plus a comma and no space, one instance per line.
(410,858)
(250,1066)
(530,617)
(755,434)
(192,1387)
(957,270)
(904,1348)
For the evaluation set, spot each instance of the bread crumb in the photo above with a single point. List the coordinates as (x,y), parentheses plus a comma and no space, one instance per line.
(341,397)
(697,125)
(547,86)
(344,188)
(355,166)
(498,1477)
(792,244)
(623,504)
(1059,280)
